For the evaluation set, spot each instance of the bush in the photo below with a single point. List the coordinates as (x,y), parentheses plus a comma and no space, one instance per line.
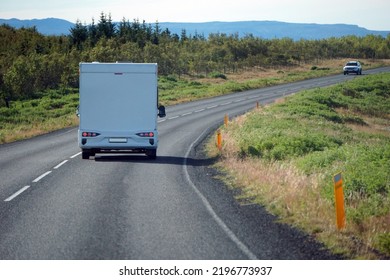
(383,242)
(217,75)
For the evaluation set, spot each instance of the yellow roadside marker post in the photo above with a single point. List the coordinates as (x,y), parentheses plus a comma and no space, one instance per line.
(226,120)
(339,197)
(219,139)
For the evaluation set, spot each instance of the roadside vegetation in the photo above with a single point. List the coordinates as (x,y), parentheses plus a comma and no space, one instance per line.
(27,118)
(284,156)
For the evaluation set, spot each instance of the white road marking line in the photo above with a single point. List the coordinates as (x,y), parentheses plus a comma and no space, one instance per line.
(41,177)
(186,114)
(239,100)
(160,121)
(16,194)
(200,110)
(75,155)
(227,103)
(211,107)
(210,209)
(62,163)
(172,118)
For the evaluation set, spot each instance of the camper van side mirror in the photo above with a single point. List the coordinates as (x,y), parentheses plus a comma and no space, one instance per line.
(161,112)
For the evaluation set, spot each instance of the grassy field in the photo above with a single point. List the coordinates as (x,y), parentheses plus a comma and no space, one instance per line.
(50,111)
(56,109)
(284,156)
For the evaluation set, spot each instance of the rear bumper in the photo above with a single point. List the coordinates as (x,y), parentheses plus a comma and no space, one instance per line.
(118,142)
(352,70)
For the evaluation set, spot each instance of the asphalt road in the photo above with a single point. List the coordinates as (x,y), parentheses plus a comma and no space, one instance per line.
(54,205)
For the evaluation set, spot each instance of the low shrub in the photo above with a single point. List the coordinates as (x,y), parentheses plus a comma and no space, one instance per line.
(217,75)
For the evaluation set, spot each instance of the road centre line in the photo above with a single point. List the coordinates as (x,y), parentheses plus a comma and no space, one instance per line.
(76,155)
(16,194)
(38,179)
(41,177)
(207,108)
(227,103)
(62,163)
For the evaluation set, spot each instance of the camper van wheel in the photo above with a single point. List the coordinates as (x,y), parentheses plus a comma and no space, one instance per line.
(152,154)
(85,154)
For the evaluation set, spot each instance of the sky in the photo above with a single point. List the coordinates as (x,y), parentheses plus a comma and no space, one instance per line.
(370,14)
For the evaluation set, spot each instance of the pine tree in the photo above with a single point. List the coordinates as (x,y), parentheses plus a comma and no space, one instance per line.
(78,34)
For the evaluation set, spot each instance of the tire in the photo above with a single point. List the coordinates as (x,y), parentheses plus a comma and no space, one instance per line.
(152,154)
(85,154)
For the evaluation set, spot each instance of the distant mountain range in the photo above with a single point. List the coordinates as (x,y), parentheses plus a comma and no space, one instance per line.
(47,26)
(263,29)
(273,29)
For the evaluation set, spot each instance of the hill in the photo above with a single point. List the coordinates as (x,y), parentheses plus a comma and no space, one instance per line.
(47,26)
(263,29)
(273,29)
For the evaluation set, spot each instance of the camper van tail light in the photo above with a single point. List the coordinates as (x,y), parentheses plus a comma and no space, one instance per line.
(89,134)
(146,134)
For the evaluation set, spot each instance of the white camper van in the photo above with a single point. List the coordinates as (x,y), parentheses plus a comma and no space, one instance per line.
(118,108)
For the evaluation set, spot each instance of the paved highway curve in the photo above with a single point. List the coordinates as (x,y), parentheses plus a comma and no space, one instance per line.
(54,205)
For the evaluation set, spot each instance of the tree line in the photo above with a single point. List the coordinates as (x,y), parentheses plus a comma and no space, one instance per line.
(31,63)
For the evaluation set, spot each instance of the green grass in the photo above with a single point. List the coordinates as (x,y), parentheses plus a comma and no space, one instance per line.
(321,132)
(49,111)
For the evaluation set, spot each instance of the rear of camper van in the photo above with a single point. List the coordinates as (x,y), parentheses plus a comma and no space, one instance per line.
(118,108)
